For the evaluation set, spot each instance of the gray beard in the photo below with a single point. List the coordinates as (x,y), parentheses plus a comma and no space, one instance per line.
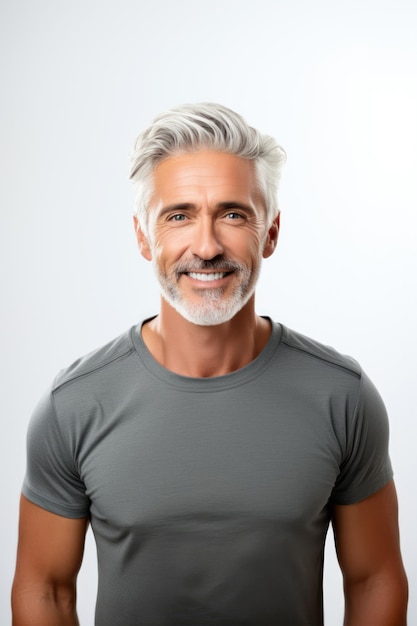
(213,308)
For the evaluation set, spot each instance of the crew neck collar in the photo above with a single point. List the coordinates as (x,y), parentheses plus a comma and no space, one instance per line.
(235,378)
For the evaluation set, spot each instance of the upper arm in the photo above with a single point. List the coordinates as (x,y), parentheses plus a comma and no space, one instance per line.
(366,534)
(368,546)
(50,548)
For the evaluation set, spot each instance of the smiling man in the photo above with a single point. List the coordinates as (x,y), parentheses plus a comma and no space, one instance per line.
(208,231)
(209,447)
(207,234)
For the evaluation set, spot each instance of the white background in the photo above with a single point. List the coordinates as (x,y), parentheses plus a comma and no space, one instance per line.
(335,82)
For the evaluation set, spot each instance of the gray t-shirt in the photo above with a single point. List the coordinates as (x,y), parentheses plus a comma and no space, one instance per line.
(209,498)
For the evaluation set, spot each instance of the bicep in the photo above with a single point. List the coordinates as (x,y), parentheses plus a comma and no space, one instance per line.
(50,547)
(367,536)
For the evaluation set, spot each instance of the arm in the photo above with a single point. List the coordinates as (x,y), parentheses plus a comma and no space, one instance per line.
(367,546)
(49,556)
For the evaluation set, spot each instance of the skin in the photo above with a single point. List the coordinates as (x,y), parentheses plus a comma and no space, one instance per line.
(49,556)
(205,205)
(368,549)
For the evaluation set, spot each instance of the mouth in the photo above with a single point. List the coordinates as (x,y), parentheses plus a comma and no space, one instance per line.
(207,277)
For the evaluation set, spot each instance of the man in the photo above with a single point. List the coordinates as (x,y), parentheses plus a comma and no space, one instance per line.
(210,447)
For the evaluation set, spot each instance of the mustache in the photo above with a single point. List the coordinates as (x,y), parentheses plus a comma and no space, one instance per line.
(218,263)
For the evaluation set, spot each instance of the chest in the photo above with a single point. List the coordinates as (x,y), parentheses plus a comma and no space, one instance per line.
(173,454)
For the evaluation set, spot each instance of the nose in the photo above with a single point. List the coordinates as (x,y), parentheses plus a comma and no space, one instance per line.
(206,243)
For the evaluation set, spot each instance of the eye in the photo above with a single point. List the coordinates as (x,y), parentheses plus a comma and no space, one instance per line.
(177,217)
(232,215)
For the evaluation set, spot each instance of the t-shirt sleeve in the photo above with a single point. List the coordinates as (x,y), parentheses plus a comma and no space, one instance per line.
(52,480)
(366,467)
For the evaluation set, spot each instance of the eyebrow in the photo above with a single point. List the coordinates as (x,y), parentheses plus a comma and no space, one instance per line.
(237,205)
(180,206)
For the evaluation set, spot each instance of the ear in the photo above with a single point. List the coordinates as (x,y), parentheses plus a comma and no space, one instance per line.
(272,238)
(142,240)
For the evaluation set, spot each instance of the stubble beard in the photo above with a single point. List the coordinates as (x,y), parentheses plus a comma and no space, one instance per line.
(210,307)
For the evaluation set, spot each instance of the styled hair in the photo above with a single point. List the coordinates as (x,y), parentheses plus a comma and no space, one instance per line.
(194,127)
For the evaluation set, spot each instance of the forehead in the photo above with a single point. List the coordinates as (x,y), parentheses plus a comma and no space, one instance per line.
(204,172)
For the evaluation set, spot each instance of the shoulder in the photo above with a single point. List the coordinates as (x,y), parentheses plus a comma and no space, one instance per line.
(315,353)
(321,367)
(90,385)
(96,362)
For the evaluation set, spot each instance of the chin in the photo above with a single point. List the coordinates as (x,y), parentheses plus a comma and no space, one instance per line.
(213,314)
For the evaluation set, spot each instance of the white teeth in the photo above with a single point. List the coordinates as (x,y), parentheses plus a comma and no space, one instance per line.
(207,277)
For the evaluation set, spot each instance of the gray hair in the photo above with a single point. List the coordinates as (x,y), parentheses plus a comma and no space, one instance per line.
(193,127)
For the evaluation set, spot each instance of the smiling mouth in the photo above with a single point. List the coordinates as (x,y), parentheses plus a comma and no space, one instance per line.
(207,277)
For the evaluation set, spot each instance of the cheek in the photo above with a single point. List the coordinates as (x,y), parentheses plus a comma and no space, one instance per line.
(169,246)
(244,247)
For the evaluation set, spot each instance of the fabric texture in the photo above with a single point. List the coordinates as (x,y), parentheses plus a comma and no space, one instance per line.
(209,498)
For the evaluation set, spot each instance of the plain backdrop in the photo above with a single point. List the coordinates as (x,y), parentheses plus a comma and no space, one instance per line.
(335,82)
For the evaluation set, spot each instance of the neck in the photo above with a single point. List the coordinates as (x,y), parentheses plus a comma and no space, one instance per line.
(205,351)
